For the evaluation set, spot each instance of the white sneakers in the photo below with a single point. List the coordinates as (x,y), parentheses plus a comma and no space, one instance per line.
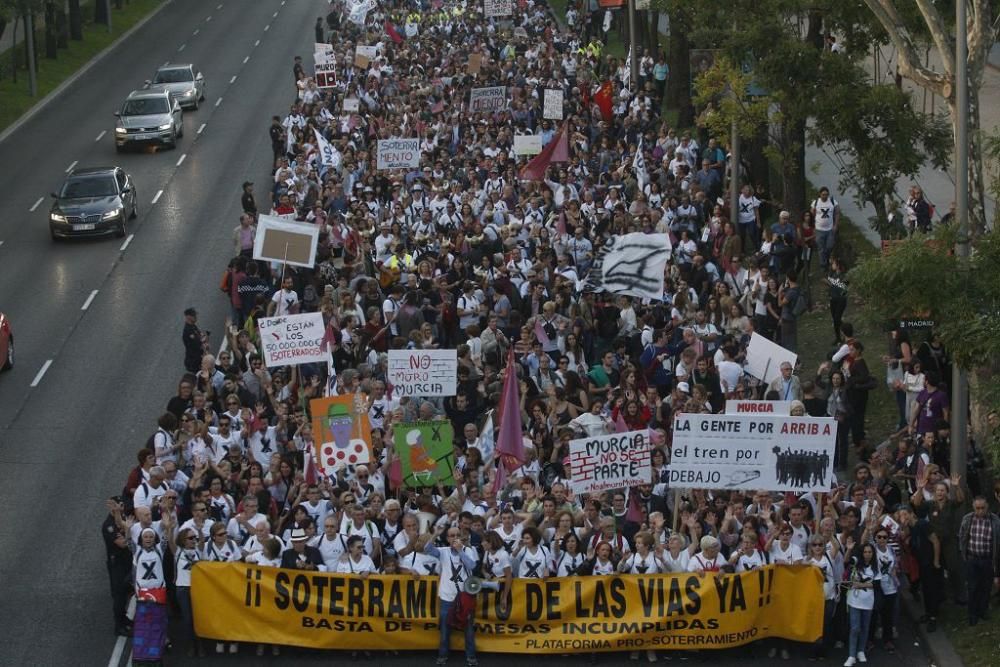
(862,657)
(850,662)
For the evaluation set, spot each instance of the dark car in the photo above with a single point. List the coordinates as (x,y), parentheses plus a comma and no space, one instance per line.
(6,344)
(93,202)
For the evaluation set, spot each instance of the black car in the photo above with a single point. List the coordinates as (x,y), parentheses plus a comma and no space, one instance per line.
(93,202)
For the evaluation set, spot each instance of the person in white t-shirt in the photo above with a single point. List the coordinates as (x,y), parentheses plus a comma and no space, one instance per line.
(748,217)
(819,558)
(285,301)
(457,562)
(861,601)
(780,547)
(889,584)
(748,557)
(708,560)
(355,561)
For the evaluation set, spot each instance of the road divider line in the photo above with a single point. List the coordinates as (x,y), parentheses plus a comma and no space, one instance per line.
(208,19)
(196,31)
(256,44)
(90,300)
(1,243)
(70,168)
(245,60)
(165,63)
(267,27)
(181,159)
(127,241)
(36,204)
(181,48)
(120,643)
(232,80)
(274,15)
(218,101)
(156,197)
(100,136)
(41,373)
(220,6)
(200,129)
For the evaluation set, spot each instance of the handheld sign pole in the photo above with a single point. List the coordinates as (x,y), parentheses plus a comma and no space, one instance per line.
(677,507)
(284,263)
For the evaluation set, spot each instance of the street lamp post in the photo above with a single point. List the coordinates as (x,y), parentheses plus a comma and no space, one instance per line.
(960,387)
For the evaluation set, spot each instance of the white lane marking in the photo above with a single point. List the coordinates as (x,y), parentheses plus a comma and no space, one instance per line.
(41,373)
(1,243)
(196,31)
(200,129)
(218,101)
(256,44)
(267,27)
(282,3)
(181,48)
(208,19)
(36,204)
(245,60)
(165,63)
(127,241)
(156,197)
(70,168)
(116,654)
(220,6)
(90,300)
(274,15)
(232,80)
(101,135)
(181,159)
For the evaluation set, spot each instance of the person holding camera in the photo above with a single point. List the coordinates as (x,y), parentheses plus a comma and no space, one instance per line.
(458,562)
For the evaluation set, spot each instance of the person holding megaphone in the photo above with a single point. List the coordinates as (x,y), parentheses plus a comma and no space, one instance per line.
(457,563)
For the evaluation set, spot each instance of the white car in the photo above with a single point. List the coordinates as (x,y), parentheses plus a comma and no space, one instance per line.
(184,82)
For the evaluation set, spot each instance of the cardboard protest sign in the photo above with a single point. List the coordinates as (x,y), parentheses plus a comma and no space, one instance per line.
(749,452)
(423,372)
(426,452)
(279,240)
(493,8)
(488,100)
(764,358)
(475,63)
(553,104)
(527,144)
(351,104)
(341,431)
(293,339)
(397,154)
(610,462)
(364,55)
(738,407)
(326,75)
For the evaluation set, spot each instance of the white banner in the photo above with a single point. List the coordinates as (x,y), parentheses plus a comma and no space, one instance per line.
(488,99)
(398,154)
(329,156)
(610,462)
(553,104)
(750,452)
(639,166)
(292,340)
(351,104)
(631,264)
(423,372)
(322,47)
(326,75)
(324,58)
(498,8)
(527,144)
(369,52)
(777,408)
(764,358)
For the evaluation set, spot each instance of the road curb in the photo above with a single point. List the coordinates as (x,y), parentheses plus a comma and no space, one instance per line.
(936,643)
(42,103)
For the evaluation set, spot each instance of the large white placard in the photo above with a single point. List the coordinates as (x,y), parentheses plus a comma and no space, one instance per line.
(498,8)
(527,144)
(778,408)
(489,99)
(351,104)
(324,57)
(279,240)
(398,154)
(750,452)
(423,372)
(631,264)
(292,340)
(553,104)
(764,358)
(610,462)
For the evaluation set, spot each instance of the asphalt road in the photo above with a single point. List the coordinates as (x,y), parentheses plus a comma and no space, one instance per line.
(68,442)
(90,381)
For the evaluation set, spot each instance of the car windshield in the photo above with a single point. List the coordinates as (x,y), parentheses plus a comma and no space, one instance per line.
(89,186)
(173,76)
(145,107)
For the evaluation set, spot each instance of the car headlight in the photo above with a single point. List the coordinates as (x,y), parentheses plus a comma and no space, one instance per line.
(120,130)
(57,217)
(165,126)
(112,214)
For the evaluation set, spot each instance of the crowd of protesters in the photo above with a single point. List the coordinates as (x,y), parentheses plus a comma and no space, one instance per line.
(462,253)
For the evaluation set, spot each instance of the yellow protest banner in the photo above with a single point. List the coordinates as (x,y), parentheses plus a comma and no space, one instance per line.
(240,602)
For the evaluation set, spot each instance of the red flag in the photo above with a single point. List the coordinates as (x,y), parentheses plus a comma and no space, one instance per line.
(634,511)
(396,473)
(540,333)
(620,425)
(604,98)
(510,443)
(561,223)
(310,467)
(393,35)
(500,479)
(557,150)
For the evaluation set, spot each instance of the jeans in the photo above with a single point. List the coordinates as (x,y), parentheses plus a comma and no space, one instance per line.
(824,643)
(838,305)
(444,646)
(187,615)
(979,579)
(825,242)
(861,620)
(887,615)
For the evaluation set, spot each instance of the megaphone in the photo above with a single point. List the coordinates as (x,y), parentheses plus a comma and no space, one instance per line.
(473,585)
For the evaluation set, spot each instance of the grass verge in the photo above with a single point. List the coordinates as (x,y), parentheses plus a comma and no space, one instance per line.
(51,73)
(976,646)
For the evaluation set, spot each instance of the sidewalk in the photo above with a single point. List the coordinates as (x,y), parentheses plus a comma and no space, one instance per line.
(938,185)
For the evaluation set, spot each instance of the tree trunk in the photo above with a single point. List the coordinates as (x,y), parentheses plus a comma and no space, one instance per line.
(51,36)
(100,12)
(13,51)
(75,21)
(62,28)
(977,186)
(793,195)
(679,79)
(3,26)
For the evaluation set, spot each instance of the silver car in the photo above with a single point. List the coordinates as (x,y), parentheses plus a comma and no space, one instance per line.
(184,82)
(148,117)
